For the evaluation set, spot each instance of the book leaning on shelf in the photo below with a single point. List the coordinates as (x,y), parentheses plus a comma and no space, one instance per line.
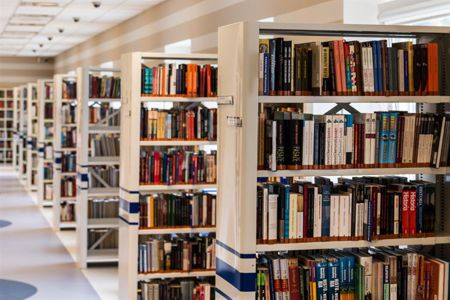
(179,123)
(97,115)
(104,174)
(178,254)
(381,274)
(348,68)
(186,289)
(104,87)
(289,139)
(67,213)
(177,167)
(68,115)
(172,210)
(190,80)
(361,208)
(68,187)
(109,242)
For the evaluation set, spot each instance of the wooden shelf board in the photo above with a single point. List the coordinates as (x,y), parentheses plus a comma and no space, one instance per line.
(67,225)
(47,203)
(175,187)
(344,172)
(103,192)
(176,230)
(102,255)
(176,274)
(353,99)
(68,173)
(177,143)
(443,238)
(104,160)
(103,129)
(103,223)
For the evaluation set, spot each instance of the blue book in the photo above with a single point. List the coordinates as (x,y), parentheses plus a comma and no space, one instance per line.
(351,273)
(272,56)
(287,189)
(406,70)
(384,138)
(333,279)
(380,67)
(321,279)
(392,144)
(266,74)
(369,220)
(326,203)
(348,131)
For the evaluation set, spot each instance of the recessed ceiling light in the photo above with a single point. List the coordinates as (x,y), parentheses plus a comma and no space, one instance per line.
(34,50)
(40,3)
(50,38)
(61,30)
(41,45)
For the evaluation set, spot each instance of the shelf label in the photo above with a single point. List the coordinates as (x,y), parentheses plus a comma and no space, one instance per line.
(225,100)
(233,121)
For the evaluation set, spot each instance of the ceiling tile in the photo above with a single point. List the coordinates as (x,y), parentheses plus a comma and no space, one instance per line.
(24,28)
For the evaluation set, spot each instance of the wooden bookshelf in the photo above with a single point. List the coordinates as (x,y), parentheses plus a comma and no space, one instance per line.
(130,187)
(59,151)
(6,127)
(238,147)
(85,164)
(45,142)
(32,133)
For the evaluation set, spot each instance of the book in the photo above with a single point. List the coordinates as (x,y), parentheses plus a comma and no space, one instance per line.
(104,86)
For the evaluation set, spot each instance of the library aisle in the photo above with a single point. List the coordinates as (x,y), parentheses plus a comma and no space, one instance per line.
(33,261)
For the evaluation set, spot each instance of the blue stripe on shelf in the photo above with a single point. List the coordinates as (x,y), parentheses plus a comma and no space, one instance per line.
(235,252)
(126,221)
(222,293)
(244,282)
(128,191)
(58,160)
(41,150)
(130,207)
(84,177)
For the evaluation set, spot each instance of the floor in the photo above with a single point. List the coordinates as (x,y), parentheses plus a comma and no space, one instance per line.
(37,262)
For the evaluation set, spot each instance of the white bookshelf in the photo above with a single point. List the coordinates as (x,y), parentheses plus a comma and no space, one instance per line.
(6,126)
(130,187)
(45,142)
(16,129)
(32,134)
(23,133)
(238,145)
(85,163)
(59,151)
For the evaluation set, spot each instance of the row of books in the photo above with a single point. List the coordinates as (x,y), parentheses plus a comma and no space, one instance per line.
(176,290)
(384,274)
(104,174)
(359,208)
(48,110)
(48,191)
(68,137)
(167,210)
(189,80)
(103,208)
(293,140)
(69,89)
(179,123)
(47,172)
(69,162)
(104,87)
(342,67)
(48,91)
(111,241)
(48,151)
(104,115)
(68,113)
(104,145)
(6,114)
(178,254)
(68,187)
(8,94)
(177,167)
(67,213)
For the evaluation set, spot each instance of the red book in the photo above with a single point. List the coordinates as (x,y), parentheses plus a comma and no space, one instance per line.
(180,167)
(294,279)
(208,81)
(195,166)
(405,212)
(157,158)
(342,66)
(412,212)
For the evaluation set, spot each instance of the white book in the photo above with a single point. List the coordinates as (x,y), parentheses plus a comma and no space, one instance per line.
(284,274)
(357,219)
(300,224)
(272,220)
(344,208)
(365,68)
(373,137)
(277,275)
(173,80)
(273,157)
(334,215)
(265,213)
(396,214)
(317,214)
(305,156)
(367,132)
(329,140)
(340,139)
(292,216)
(370,69)
(437,158)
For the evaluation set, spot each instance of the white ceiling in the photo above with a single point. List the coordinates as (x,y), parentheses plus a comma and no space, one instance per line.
(26,25)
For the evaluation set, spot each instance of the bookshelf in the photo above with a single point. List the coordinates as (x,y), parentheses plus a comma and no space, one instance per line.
(94,227)
(16,129)
(32,133)
(64,173)
(131,147)
(238,173)
(23,132)
(6,126)
(45,142)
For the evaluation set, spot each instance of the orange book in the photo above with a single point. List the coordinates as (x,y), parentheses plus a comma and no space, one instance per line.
(208,81)
(189,80)
(194,80)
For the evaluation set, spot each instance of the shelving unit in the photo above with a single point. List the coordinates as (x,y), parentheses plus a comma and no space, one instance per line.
(23,133)
(238,145)
(6,126)
(32,134)
(88,251)
(130,187)
(45,142)
(60,175)
(16,130)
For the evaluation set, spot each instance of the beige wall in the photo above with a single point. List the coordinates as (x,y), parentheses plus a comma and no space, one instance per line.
(198,20)
(15,71)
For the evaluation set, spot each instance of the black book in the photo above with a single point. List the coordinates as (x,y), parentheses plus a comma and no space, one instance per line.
(417,67)
(424,71)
